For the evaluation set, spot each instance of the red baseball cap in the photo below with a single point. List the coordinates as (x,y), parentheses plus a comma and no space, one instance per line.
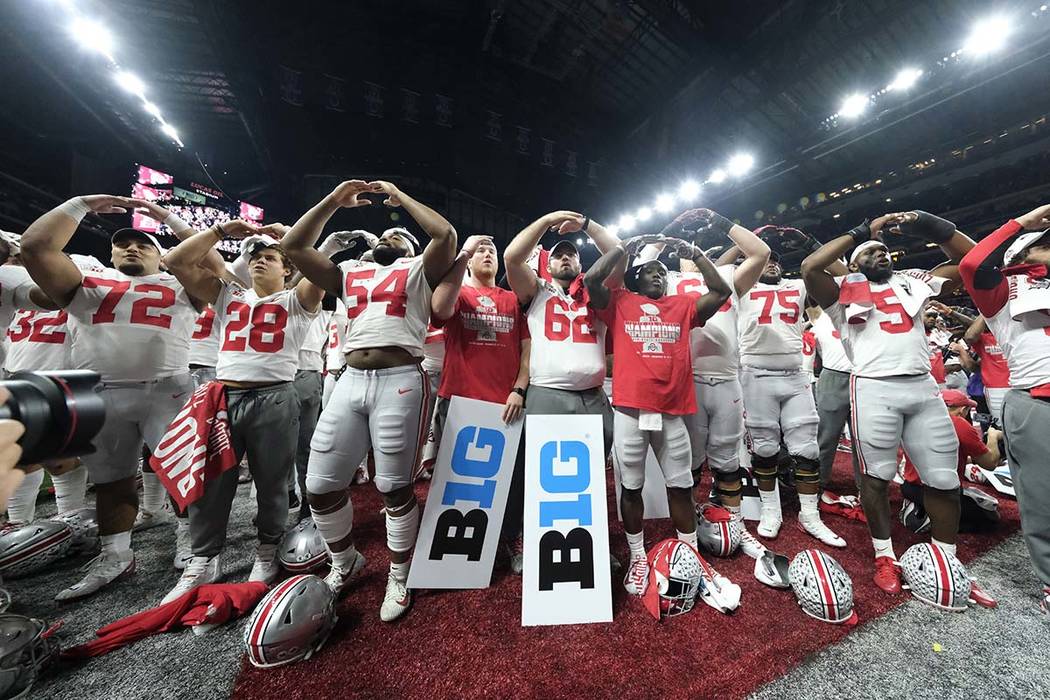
(954,397)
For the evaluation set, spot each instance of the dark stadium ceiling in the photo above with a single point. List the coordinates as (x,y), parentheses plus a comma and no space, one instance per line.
(633,96)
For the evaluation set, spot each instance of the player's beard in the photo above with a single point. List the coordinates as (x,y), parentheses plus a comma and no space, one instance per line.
(770,279)
(565,274)
(132,269)
(386,254)
(878,275)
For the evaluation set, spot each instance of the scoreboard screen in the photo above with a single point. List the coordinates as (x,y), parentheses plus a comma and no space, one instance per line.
(199,206)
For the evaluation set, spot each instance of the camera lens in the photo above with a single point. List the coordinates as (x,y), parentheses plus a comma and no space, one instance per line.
(61,412)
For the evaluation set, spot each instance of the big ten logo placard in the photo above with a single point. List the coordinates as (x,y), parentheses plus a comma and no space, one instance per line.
(566,579)
(460,529)
(654,493)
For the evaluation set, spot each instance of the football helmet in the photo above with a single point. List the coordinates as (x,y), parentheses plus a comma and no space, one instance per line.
(674,579)
(717,531)
(914,517)
(84,524)
(822,586)
(291,622)
(302,548)
(936,577)
(32,547)
(26,649)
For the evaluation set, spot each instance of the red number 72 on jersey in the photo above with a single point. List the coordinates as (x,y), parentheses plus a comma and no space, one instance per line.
(140,309)
(390,290)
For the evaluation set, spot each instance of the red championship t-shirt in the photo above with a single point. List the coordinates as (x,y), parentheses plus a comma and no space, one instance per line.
(482,345)
(995,374)
(970,445)
(652,368)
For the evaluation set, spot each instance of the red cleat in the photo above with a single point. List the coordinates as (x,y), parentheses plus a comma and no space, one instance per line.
(887,575)
(979,597)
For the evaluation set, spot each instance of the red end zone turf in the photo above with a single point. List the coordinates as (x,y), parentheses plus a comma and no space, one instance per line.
(471,643)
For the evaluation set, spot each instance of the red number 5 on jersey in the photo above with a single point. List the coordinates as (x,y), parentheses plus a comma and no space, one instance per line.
(391,290)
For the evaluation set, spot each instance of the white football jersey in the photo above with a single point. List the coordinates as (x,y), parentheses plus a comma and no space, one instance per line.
(386,305)
(770,325)
(204,343)
(434,350)
(832,354)
(15,285)
(335,358)
(311,354)
(132,329)
(890,342)
(568,341)
(261,336)
(1026,346)
(714,346)
(38,341)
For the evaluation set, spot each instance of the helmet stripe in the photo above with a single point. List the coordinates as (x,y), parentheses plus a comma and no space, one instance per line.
(19,557)
(945,582)
(827,591)
(723,530)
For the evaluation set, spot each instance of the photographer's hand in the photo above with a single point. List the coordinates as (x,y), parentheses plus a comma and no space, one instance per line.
(10,452)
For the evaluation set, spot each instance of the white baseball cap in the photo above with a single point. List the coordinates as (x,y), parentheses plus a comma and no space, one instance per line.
(126,233)
(1013,254)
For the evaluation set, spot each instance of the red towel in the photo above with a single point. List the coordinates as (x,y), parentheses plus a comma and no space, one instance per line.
(196,447)
(212,603)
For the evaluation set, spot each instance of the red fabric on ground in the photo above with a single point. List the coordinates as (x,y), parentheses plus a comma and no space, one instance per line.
(471,643)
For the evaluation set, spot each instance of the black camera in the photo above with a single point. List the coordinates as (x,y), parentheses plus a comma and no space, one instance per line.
(61,412)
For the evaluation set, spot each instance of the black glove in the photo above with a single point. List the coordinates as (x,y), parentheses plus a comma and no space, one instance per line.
(861,232)
(929,227)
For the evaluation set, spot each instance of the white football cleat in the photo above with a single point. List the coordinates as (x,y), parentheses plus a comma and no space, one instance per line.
(198,571)
(265,568)
(749,544)
(101,571)
(147,519)
(396,601)
(340,577)
(816,527)
(637,578)
(770,521)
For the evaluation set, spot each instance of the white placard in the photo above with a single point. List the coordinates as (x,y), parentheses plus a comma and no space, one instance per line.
(460,529)
(566,578)
(654,491)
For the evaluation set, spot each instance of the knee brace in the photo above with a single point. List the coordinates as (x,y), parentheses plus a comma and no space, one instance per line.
(807,471)
(764,467)
(335,523)
(401,529)
(731,483)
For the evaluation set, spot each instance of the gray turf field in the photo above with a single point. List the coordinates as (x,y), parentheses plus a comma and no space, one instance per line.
(1003,653)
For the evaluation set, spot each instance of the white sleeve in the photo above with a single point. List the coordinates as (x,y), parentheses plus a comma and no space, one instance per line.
(648,253)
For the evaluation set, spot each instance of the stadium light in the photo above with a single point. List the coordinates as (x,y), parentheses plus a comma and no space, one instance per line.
(740,164)
(626,223)
(170,132)
(689,190)
(613,230)
(151,108)
(643,214)
(905,79)
(579,240)
(664,203)
(853,106)
(717,176)
(988,35)
(92,35)
(130,82)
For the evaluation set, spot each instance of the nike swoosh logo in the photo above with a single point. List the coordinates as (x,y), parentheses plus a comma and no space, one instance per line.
(403,391)
(736,400)
(178,396)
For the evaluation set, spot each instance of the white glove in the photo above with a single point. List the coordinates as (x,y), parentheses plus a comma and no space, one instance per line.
(341,240)
(13,240)
(239,268)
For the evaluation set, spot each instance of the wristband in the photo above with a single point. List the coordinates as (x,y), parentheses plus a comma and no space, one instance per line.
(75,209)
(519,391)
(176,224)
(811,245)
(860,233)
(221,232)
(586,223)
(934,228)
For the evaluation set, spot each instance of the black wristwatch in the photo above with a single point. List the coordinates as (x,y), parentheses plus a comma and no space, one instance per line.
(519,391)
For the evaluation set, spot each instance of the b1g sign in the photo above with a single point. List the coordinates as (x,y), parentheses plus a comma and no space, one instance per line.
(566,578)
(461,524)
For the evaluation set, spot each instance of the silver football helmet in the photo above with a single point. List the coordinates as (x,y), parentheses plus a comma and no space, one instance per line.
(716,530)
(936,577)
(291,622)
(84,524)
(302,549)
(26,649)
(822,586)
(33,546)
